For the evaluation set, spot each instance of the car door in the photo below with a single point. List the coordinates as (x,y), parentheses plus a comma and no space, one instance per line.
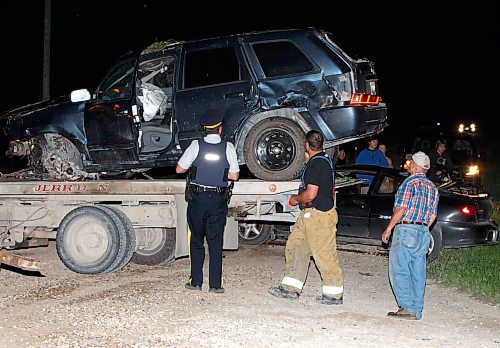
(214,76)
(109,124)
(382,199)
(353,208)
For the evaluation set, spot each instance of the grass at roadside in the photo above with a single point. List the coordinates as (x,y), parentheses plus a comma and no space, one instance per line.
(475,271)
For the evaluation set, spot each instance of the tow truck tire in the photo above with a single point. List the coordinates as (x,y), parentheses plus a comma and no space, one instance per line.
(274,149)
(88,240)
(253,233)
(436,243)
(155,246)
(127,240)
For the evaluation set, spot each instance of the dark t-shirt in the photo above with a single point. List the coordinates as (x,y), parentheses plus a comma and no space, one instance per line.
(318,172)
(439,163)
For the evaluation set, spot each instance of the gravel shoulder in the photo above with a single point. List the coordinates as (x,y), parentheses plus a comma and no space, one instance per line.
(143,306)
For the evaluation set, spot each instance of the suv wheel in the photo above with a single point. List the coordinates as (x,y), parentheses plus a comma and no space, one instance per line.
(274,149)
(57,157)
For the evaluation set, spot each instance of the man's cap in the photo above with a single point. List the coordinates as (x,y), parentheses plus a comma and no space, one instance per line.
(211,119)
(373,137)
(421,160)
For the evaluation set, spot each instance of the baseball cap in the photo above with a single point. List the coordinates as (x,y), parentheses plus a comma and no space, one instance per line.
(421,160)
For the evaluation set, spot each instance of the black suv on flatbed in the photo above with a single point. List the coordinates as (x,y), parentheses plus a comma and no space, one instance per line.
(272,87)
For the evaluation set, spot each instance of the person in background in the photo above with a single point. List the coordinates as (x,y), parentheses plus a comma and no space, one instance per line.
(371,156)
(383,148)
(440,161)
(415,210)
(213,162)
(342,156)
(314,232)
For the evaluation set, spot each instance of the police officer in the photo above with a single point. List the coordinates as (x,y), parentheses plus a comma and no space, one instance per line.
(212,162)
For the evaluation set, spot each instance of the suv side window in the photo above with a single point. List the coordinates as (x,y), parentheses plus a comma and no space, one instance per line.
(281,58)
(211,67)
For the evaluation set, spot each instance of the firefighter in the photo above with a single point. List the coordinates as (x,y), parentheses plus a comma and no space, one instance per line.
(211,162)
(314,232)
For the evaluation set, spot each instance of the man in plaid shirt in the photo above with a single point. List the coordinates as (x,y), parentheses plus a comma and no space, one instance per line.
(415,209)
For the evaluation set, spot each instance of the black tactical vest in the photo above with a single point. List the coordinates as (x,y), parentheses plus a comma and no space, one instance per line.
(211,164)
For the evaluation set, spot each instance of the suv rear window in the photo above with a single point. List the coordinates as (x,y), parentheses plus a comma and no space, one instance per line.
(211,67)
(281,58)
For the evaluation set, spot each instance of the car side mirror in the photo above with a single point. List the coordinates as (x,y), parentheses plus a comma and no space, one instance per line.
(80,95)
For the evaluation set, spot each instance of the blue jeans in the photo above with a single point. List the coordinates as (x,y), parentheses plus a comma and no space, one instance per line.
(407,266)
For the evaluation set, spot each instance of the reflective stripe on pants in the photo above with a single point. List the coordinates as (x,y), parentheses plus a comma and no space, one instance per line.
(314,234)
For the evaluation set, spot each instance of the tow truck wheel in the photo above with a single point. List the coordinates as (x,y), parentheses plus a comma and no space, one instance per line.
(155,246)
(88,240)
(127,239)
(436,243)
(254,233)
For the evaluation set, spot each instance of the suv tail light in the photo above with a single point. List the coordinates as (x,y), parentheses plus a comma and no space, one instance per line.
(364,99)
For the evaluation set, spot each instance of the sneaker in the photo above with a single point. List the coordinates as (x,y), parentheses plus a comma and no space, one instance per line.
(323,299)
(280,292)
(216,290)
(189,286)
(402,313)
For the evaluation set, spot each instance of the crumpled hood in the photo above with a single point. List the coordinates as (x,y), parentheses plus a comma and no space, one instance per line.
(28,109)
(58,115)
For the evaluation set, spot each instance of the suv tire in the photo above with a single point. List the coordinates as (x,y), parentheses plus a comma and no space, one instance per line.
(273,149)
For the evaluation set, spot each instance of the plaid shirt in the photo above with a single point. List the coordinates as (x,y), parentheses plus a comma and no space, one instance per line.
(420,198)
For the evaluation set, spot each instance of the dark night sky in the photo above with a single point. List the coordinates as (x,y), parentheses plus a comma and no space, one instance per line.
(433,63)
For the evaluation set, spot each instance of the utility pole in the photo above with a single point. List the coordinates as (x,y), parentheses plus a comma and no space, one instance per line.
(46,51)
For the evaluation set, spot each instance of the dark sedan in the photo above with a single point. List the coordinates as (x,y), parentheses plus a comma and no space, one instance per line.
(463,220)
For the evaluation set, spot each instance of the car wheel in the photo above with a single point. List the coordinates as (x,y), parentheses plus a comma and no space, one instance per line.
(274,149)
(436,242)
(155,246)
(251,233)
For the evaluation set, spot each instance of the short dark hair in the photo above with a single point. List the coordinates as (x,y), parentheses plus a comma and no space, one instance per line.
(315,140)
(440,142)
(212,130)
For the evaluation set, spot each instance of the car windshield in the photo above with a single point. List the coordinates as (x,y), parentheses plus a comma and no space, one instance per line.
(461,151)
(118,82)
(460,147)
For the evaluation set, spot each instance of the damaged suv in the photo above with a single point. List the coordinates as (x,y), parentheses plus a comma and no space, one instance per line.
(272,87)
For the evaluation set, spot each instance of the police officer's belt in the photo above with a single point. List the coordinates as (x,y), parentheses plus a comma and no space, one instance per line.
(198,188)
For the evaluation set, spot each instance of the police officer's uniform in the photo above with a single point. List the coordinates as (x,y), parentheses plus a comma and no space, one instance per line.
(211,159)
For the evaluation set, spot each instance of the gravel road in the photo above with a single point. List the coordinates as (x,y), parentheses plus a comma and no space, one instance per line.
(143,306)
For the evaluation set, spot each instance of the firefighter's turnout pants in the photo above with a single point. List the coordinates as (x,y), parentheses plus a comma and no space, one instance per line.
(314,234)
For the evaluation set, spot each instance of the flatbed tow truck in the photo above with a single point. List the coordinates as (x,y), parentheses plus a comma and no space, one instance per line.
(100,226)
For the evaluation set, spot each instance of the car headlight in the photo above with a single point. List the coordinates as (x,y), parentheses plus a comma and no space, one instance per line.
(472,170)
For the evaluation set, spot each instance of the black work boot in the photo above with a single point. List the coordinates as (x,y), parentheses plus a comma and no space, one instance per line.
(280,292)
(192,287)
(324,299)
(216,290)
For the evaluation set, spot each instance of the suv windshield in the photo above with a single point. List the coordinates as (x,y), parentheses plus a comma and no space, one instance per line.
(118,82)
